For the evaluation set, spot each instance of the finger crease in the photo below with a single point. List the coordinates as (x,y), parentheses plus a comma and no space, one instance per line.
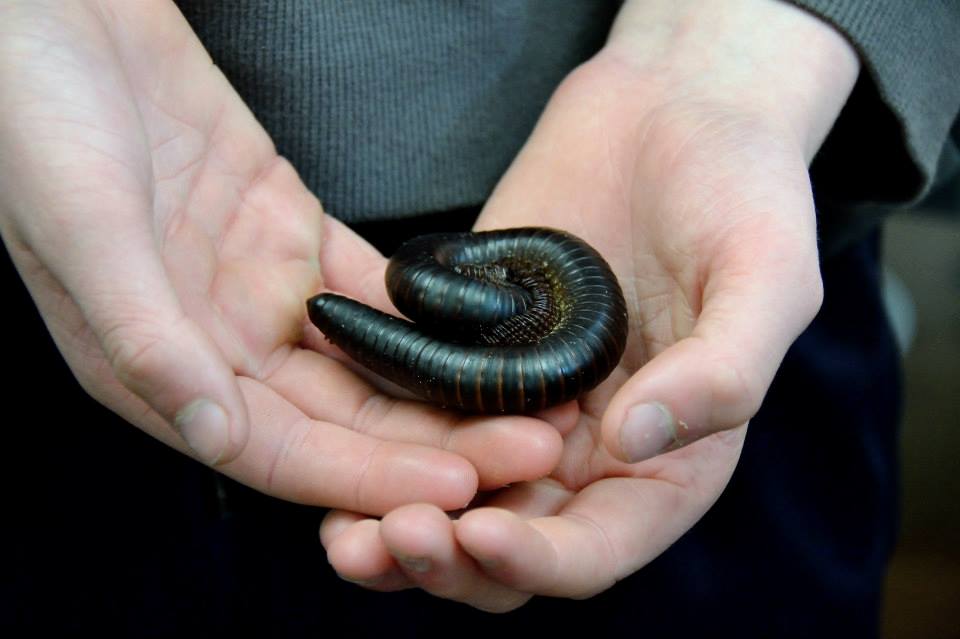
(362,474)
(293,440)
(608,547)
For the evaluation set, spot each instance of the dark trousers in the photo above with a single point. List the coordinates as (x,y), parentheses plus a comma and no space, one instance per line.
(108,531)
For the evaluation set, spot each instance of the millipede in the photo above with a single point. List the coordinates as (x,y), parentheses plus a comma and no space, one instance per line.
(506,321)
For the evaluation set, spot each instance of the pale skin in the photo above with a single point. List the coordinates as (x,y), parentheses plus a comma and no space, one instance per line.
(173,233)
(170,251)
(680,152)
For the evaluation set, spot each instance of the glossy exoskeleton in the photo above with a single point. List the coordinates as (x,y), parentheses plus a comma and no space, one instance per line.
(508,321)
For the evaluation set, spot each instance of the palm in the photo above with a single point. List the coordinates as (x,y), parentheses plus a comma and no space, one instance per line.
(684,206)
(239,234)
(706,219)
(652,206)
(153,130)
(687,206)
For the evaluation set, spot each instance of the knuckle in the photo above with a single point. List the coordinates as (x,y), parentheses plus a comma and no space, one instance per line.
(137,351)
(736,393)
(812,300)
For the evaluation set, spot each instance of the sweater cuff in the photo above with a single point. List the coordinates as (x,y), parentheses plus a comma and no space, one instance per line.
(896,124)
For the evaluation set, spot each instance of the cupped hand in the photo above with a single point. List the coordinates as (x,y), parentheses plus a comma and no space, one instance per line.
(699,199)
(170,251)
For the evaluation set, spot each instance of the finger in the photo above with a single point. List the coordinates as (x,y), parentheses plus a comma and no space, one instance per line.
(611,529)
(356,551)
(510,549)
(336,522)
(563,417)
(503,449)
(352,266)
(755,304)
(316,462)
(421,539)
(531,499)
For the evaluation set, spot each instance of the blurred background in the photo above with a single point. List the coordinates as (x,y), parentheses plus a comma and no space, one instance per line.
(922,256)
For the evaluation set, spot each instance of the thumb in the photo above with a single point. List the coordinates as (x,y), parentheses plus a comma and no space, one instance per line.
(715,379)
(112,270)
(165,359)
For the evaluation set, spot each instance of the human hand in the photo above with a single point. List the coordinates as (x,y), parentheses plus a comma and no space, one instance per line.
(680,153)
(171,251)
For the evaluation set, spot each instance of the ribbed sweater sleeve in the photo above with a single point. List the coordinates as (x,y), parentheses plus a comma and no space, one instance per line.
(390,109)
(896,129)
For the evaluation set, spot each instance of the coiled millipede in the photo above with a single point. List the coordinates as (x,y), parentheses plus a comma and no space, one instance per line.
(508,321)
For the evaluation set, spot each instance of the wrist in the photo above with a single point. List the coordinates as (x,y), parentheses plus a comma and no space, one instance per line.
(762,57)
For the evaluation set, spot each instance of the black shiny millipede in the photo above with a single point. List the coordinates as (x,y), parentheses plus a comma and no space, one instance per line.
(508,321)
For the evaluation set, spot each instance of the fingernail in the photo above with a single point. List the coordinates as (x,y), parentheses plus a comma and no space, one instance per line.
(415,564)
(648,430)
(205,428)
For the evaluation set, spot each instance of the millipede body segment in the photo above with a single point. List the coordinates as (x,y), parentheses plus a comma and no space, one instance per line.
(508,321)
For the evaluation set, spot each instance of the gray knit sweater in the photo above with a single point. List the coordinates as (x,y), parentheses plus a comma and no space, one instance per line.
(392,108)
